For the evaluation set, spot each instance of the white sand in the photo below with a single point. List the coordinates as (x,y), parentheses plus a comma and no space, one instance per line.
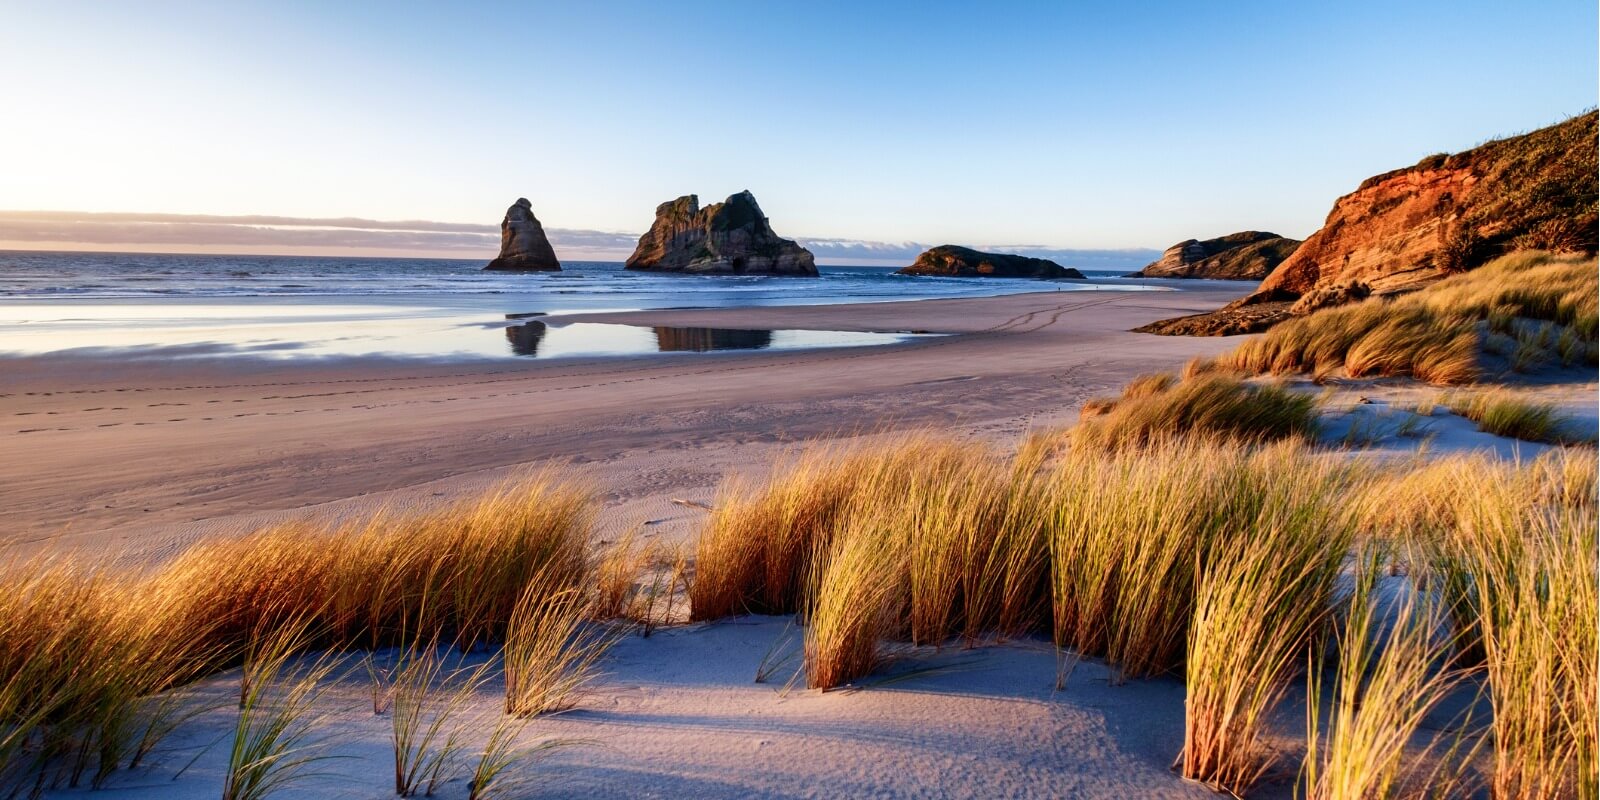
(101,457)
(679,715)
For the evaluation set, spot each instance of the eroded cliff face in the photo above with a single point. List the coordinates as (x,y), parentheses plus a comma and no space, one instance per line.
(523,245)
(954,261)
(731,237)
(1391,235)
(1449,213)
(1242,256)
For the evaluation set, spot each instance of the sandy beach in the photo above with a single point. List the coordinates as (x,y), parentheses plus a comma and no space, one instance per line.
(722,401)
(139,459)
(143,457)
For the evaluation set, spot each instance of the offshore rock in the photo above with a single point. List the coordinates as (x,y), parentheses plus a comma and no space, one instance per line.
(523,246)
(963,262)
(728,238)
(1242,256)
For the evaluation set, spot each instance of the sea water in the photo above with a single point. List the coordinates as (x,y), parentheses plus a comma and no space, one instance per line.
(176,306)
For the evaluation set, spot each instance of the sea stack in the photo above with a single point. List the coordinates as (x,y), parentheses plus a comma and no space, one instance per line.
(954,261)
(523,246)
(728,238)
(1242,256)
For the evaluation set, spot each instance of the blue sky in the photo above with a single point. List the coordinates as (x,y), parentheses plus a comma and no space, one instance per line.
(1062,124)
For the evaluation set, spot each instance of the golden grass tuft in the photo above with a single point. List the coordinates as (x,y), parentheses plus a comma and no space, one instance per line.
(1528,570)
(87,654)
(1504,414)
(1384,686)
(858,600)
(755,553)
(274,737)
(551,654)
(1218,559)
(1264,589)
(1439,334)
(1211,404)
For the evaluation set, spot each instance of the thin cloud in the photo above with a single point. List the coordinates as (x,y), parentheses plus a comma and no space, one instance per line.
(262,233)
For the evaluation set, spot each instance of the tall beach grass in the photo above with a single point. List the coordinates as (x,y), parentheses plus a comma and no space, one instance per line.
(1442,334)
(89,653)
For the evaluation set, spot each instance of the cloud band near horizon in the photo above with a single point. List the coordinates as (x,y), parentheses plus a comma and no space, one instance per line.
(150,232)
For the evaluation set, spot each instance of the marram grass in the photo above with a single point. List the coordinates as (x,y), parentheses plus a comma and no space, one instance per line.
(1210,404)
(1390,669)
(1445,333)
(1504,414)
(89,655)
(1261,597)
(1219,560)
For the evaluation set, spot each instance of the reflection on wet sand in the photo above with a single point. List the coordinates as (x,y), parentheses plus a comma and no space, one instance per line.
(700,340)
(534,338)
(525,338)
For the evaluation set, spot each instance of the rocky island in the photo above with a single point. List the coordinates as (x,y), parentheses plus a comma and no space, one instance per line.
(728,238)
(954,261)
(1242,256)
(523,246)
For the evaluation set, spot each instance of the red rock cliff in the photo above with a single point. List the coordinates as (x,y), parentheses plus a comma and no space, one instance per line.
(1449,213)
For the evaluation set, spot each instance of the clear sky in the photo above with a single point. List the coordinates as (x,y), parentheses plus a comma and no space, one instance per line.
(1093,125)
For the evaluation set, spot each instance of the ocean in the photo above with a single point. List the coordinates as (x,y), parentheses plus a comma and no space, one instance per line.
(184,306)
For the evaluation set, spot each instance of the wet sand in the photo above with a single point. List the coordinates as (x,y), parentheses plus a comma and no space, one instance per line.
(146,456)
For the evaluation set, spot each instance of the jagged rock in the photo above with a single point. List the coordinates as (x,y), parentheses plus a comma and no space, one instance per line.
(1243,256)
(963,262)
(523,246)
(728,238)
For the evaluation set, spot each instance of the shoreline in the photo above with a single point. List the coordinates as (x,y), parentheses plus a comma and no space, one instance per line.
(448,326)
(149,456)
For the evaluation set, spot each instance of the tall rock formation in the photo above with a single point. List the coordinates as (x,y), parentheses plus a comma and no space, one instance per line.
(963,262)
(523,246)
(1449,213)
(728,238)
(1242,256)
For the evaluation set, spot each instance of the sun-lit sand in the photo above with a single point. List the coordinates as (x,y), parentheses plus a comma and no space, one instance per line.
(139,460)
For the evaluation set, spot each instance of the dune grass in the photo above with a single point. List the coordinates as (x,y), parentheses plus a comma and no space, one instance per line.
(1263,591)
(1100,546)
(1390,670)
(1441,334)
(1127,528)
(428,731)
(274,740)
(88,653)
(1511,551)
(551,653)
(1527,571)
(1209,557)
(1210,404)
(860,592)
(1504,414)
(755,553)
(1216,560)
